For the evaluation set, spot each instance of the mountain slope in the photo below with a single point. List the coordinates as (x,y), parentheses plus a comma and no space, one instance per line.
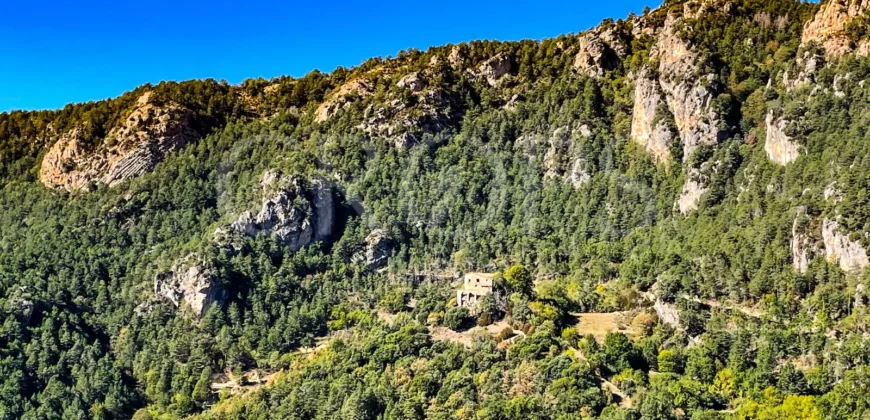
(699,170)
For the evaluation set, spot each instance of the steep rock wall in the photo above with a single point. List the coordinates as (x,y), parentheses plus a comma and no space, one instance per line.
(779,146)
(839,249)
(134,147)
(828,28)
(599,51)
(653,135)
(287,213)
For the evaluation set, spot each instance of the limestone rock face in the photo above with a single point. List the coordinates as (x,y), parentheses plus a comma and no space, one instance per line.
(828,28)
(808,65)
(599,51)
(404,123)
(342,97)
(779,146)
(559,143)
(495,68)
(654,135)
(688,97)
(667,313)
(378,248)
(692,191)
(578,176)
(286,214)
(560,161)
(190,285)
(412,82)
(839,249)
(130,149)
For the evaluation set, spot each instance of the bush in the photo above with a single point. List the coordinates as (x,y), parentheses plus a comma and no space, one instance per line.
(670,361)
(570,336)
(456,317)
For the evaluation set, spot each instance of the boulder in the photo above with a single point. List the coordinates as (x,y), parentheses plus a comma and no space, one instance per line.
(412,82)
(668,313)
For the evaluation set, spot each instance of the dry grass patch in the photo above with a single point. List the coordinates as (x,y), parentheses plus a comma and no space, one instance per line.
(599,324)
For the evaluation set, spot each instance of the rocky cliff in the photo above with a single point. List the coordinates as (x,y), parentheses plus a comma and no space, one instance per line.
(289,212)
(190,285)
(648,127)
(779,147)
(830,27)
(678,95)
(688,95)
(600,50)
(378,246)
(130,149)
(849,254)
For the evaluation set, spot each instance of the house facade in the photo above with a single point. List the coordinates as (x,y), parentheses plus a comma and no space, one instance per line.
(474,287)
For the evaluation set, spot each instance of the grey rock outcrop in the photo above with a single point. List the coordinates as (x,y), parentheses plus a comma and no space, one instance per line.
(688,95)
(598,52)
(693,189)
(562,161)
(341,98)
(130,149)
(495,68)
(688,98)
(578,175)
(839,249)
(807,66)
(287,213)
(379,245)
(779,147)
(412,82)
(190,285)
(667,313)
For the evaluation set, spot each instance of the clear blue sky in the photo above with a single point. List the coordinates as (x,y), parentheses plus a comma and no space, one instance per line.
(55,52)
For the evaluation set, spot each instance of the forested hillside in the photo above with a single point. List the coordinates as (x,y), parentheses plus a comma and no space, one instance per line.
(291,248)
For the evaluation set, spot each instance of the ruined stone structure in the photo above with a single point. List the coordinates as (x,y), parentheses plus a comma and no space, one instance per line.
(474,287)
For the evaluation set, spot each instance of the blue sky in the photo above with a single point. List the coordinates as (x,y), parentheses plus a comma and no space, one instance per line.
(55,52)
